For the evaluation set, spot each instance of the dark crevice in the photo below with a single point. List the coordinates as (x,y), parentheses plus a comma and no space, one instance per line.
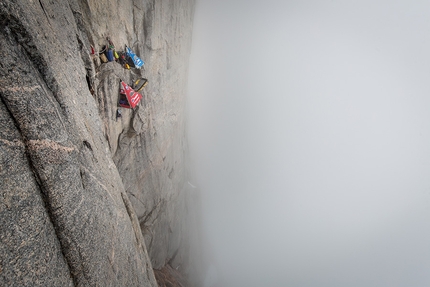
(143,203)
(84,47)
(107,140)
(44,11)
(80,44)
(88,145)
(81,173)
(90,86)
(149,214)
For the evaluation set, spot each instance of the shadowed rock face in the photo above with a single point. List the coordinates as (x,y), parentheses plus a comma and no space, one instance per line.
(81,191)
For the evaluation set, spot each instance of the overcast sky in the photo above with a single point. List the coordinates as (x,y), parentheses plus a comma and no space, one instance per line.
(309,127)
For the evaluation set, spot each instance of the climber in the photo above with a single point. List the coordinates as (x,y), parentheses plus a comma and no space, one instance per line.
(118,114)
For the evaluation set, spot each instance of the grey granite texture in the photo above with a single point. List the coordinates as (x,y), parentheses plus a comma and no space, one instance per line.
(81,191)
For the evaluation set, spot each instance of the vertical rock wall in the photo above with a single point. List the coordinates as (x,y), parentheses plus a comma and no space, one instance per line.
(148,144)
(82,191)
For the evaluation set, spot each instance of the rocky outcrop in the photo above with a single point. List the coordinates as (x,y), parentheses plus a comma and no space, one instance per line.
(82,191)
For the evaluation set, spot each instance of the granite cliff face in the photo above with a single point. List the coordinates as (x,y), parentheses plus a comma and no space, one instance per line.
(89,199)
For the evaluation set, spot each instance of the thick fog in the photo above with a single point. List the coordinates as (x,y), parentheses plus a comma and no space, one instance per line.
(309,127)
